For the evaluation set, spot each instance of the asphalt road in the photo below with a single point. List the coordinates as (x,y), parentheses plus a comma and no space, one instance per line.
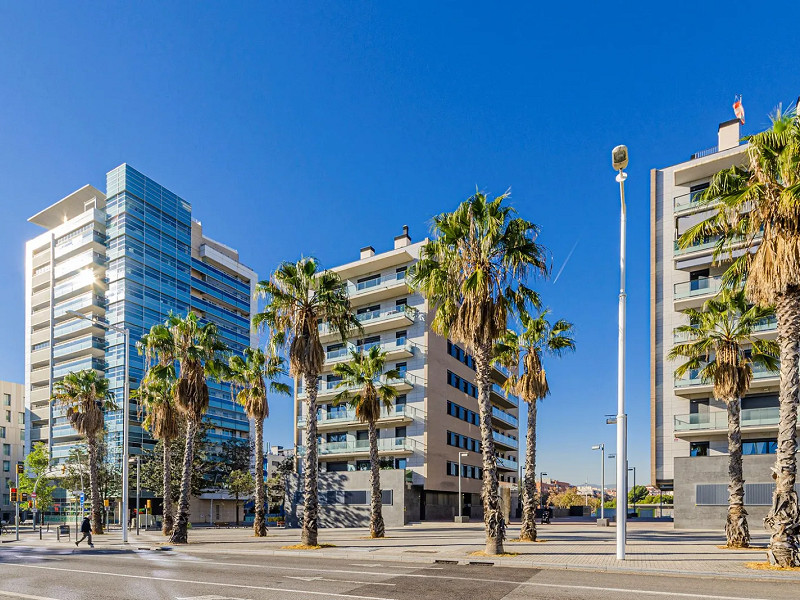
(84,574)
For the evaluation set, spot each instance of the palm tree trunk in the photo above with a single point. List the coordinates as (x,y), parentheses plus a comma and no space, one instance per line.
(528,531)
(784,516)
(180,534)
(94,484)
(736,530)
(376,525)
(492,510)
(260,519)
(310,500)
(167,521)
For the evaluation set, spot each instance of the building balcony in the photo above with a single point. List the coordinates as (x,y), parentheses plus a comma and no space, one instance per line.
(329,389)
(764,328)
(753,420)
(501,439)
(377,289)
(504,419)
(499,397)
(401,348)
(375,321)
(344,417)
(356,448)
(40,299)
(692,294)
(687,203)
(507,463)
(693,384)
(73,348)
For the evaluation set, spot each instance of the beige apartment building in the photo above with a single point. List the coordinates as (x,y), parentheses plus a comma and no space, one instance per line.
(12,439)
(689,427)
(435,415)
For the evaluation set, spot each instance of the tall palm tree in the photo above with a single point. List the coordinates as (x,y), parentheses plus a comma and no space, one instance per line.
(716,349)
(365,372)
(473,274)
(537,338)
(248,375)
(196,349)
(759,210)
(162,420)
(299,297)
(86,397)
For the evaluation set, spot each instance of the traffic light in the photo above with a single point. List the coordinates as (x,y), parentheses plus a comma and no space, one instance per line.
(24,496)
(20,468)
(149,504)
(105,502)
(13,495)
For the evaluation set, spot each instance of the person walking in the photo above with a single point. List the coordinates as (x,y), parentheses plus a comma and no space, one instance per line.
(86,530)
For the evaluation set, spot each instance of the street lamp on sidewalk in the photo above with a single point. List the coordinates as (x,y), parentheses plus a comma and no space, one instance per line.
(619,160)
(460,498)
(602,448)
(541,489)
(125,405)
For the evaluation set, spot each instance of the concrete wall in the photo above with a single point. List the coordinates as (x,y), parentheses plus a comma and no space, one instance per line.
(689,472)
(349,515)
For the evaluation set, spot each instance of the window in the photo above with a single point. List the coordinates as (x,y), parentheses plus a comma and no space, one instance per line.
(462,441)
(2,432)
(369,309)
(459,412)
(7,399)
(8,416)
(400,463)
(400,432)
(22,418)
(462,384)
(362,435)
(337,437)
(401,272)
(6,449)
(698,449)
(362,465)
(467,471)
(401,304)
(767,446)
(368,282)
(6,466)
(400,337)
(400,403)
(402,367)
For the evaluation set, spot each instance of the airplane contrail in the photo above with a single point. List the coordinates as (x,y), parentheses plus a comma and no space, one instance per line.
(566,260)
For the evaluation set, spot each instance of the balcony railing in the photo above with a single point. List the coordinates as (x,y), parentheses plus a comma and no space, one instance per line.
(508,463)
(504,416)
(506,440)
(718,420)
(376,316)
(345,414)
(697,287)
(362,287)
(689,201)
(498,389)
(385,445)
(392,346)
(326,387)
(693,378)
(768,324)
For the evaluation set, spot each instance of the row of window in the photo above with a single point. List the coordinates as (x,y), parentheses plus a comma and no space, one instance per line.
(465,414)
(351,497)
(460,355)
(467,471)
(749,447)
(20,419)
(462,384)
(462,441)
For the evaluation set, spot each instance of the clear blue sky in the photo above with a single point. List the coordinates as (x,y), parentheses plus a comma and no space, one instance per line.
(318,128)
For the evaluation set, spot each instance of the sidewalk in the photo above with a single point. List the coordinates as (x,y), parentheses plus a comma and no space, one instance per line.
(652,547)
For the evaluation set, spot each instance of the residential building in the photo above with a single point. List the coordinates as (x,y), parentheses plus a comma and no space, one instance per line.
(126,257)
(12,440)
(688,426)
(435,414)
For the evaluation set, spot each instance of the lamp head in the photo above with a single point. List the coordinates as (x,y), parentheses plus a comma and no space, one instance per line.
(619,157)
(596,447)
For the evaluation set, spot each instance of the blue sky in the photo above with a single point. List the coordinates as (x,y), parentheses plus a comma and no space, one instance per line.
(317,128)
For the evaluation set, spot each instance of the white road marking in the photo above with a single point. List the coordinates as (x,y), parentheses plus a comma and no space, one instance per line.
(25,596)
(384,565)
(232,585)
(339,580)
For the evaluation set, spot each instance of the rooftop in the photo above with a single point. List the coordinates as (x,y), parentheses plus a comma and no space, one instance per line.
(69,207)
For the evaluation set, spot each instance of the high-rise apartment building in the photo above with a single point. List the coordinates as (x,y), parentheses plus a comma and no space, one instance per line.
(435,415)
(127,257)
(689,427)
(12,440)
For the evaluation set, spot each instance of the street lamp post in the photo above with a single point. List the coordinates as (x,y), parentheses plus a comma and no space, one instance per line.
(634,485)
(541,489)
(125,410)
(602,448)
(619,160)
(460,497)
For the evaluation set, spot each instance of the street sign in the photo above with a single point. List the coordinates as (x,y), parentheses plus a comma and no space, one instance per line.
(83,498)
(33,495)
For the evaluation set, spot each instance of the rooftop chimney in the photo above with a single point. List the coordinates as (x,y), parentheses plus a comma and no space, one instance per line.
(403,240)
(367,251)
(728,134)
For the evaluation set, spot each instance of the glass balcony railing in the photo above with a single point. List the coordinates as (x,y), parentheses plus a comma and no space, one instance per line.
(362,287)
(718,419)
(77,345)
(328,387)
(508,463)
(401,344)
(376,316)
(768,324)
(506,440)
(689,201)
(504,416)
(345,414)
(385,445)
(698,287)
(498,389)
(693,378)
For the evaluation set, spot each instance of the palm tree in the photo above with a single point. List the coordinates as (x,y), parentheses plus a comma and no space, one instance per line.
(472,274)
(365,373)
(715,350)
(248,374)
(86,397)
(758,210)
(195,347)
(299,297)
(162,420)
(538,337)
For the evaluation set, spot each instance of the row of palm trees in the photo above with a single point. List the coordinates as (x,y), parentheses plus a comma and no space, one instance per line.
(756,222)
